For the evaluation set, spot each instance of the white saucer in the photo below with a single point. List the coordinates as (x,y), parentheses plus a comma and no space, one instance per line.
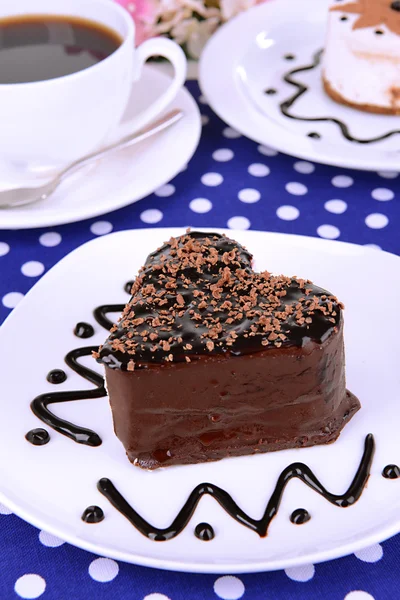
(248,56)
(121,179)
(51,485)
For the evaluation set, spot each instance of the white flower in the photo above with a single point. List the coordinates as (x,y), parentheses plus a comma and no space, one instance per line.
(195,34)
(231,8)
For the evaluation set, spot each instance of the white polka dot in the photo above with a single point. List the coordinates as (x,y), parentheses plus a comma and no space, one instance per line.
(231,133)
(259,170)
(165,190)
(376,221)
(249,196)
(302,573)
(342,181)
(4,248)
(103,569)
(336,206)
(229,587)
(238,223)
(32,268)
(388,174)
(4,510)
(50,239)
(30,586)
(151,215)
(358,595)
(371,554)
(50,540)
(205,119)
(202,99)
(200,205)
(101,228)
(11,299)
(298,189)
(223,155)
(288,213)
(267,151)
(212,179)
(382,194)
(328,231)
(374,246)
(304,167)
(156,596)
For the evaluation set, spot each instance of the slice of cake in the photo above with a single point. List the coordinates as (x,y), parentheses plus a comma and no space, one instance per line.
(361,65)
(211,359)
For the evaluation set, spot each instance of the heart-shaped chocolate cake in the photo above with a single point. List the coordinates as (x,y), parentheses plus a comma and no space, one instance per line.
(211,359)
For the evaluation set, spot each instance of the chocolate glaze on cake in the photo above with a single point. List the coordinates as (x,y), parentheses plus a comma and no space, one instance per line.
(211,359)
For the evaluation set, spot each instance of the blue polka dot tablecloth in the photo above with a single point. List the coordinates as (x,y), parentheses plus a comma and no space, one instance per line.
(236,183)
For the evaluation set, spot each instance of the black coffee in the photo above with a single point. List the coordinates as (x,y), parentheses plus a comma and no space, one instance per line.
(38,47)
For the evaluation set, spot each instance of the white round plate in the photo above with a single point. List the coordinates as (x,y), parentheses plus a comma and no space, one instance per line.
(51,485)
(120,179)
(248,56)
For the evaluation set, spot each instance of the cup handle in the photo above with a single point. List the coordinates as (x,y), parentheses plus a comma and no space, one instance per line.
(174,53)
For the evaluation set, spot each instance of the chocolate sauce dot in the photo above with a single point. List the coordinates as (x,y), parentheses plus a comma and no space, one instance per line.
(128,287)
(270,91)
(300,516)
(289,57)
(391,472)
(92,514)
(314,135)
(56,376)
(379,32)
(83,330)
(38,437)
(343,18)
(395,5)
(204,532)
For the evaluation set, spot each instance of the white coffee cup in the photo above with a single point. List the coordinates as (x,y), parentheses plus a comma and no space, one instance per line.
(55,121)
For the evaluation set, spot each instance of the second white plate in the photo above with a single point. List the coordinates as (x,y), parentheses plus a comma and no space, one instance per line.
(242,74)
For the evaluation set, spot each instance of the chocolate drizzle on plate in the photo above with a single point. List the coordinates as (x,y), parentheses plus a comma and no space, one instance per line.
(56,376)
(204,532)
(92,514)
(288,104)
(84,330)
(300,516)
(293,471)
(40,404)
(38,437)
(391,472)
(100,314)
(128,287)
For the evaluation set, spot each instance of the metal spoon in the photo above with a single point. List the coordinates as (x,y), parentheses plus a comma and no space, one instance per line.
(22,196)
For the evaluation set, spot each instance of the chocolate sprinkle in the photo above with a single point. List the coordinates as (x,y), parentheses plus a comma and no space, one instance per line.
(198,294)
